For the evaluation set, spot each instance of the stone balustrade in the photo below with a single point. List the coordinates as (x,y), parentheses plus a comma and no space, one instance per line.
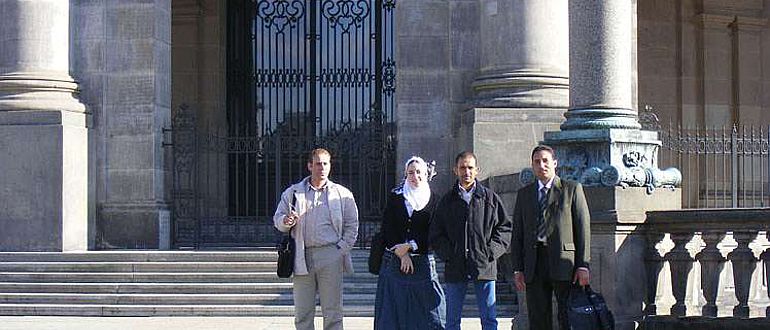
(698,245)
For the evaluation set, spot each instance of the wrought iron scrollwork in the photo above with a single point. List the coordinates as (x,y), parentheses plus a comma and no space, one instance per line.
(389,76)
(280,13)
(279,77)
(345,13)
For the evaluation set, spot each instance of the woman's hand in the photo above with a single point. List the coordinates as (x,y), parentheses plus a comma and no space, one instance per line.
(406,264)
(401,249)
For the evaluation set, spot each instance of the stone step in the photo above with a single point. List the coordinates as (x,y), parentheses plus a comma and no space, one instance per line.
(359,256)
(166,310)
(181,288)
(284,298)
(281,298)
(184,288)
(142,256)
(194,310)
(152,277)
(177,283)
(138,267)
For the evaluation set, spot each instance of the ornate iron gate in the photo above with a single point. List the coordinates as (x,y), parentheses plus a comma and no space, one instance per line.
(300,74)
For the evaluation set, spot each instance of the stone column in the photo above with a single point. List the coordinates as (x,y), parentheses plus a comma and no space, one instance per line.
(43,134)
(601,61)
(521,90)
(602,146)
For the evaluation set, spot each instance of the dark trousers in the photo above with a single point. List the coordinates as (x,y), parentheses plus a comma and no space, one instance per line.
(539,296)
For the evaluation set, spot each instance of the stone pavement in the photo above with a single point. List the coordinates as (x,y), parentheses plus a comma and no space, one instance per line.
(187,323)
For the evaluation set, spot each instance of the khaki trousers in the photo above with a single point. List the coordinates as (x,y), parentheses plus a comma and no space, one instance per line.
(325,268)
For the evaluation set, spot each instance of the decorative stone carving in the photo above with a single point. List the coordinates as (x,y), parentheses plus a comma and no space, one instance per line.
(634,174)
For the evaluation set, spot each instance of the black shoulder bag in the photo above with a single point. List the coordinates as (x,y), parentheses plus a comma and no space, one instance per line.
(286,251)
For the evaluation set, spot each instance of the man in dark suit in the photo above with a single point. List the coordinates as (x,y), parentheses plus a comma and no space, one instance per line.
(551,240)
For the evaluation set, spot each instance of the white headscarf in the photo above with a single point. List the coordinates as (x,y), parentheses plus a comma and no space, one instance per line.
(417,197)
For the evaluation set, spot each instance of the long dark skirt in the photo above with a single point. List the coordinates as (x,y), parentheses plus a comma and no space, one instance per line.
(409,301)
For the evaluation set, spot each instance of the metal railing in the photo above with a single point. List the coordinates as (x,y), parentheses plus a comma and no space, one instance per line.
(721,166)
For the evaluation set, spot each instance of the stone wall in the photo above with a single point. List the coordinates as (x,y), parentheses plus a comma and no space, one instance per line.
(705,62)
(122,56)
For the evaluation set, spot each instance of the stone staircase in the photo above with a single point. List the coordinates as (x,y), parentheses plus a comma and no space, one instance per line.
(163,283)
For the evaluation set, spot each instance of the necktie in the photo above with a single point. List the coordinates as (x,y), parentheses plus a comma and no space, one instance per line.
(543,202)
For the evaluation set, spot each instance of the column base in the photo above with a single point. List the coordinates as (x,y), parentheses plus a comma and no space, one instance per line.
(133,226)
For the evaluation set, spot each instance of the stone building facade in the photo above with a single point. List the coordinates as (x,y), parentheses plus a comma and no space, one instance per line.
(89,91)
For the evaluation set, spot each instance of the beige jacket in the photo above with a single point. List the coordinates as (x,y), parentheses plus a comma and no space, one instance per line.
(344,215)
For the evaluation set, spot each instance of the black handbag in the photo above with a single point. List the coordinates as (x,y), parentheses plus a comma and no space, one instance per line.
(587,310)
(287,248)
(376,252)
(286,251)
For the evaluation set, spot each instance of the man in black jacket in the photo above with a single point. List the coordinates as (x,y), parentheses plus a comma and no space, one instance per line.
(469,231)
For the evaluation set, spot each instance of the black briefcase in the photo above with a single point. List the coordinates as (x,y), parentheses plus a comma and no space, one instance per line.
(286,250)
(376,252)
(587,310)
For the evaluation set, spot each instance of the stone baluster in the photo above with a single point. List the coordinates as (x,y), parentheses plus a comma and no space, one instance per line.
(681,263)
(765,256)
(711,264)
(653,263)
(743,261)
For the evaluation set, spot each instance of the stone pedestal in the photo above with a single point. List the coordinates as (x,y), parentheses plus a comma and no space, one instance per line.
(606,156)
(618,245)
(500,137)
(43,133)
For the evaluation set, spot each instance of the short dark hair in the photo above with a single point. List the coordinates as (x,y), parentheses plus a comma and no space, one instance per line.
(317,152)
(463,155)
(543,147)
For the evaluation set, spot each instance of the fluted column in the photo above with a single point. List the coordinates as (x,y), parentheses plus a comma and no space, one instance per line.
(601,65)
(44,187)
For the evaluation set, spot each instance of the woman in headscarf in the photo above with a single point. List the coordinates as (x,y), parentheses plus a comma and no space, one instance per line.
(409,295)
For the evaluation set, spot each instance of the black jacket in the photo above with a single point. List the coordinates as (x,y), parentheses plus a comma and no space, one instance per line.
(470,238)
(398,227)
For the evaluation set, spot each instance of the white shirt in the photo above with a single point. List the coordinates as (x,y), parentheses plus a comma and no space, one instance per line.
(540,186)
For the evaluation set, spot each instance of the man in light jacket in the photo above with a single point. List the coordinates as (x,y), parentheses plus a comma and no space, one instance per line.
(323,219)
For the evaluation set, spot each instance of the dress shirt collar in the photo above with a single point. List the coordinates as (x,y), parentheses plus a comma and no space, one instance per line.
(548,184)
(466,194)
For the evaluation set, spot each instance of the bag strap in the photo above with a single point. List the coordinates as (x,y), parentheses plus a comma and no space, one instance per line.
(292,206)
